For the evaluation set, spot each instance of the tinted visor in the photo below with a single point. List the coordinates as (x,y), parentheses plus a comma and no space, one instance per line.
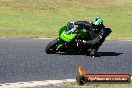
(95,26)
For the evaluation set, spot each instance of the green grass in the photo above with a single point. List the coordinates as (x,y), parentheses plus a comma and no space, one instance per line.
(44,18)
(75,85)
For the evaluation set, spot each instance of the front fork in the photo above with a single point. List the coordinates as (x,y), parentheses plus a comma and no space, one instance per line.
(60,44)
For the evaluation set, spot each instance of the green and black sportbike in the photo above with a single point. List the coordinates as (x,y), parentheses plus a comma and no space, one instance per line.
(66,42)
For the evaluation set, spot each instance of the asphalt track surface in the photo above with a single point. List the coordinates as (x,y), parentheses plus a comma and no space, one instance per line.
(26,60)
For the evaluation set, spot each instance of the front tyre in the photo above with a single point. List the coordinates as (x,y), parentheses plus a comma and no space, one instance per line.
(51,47)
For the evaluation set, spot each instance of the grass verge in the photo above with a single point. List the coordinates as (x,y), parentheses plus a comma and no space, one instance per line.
(44,18)
(75,85)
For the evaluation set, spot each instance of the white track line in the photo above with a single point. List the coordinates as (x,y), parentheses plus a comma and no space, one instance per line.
(34,83)
(55,38)
(44,38)
(125,40)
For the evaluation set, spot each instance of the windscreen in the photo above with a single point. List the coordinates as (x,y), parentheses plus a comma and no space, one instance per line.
(71,29)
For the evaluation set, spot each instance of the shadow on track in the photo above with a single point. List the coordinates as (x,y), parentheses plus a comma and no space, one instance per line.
(109,53)
(99,54)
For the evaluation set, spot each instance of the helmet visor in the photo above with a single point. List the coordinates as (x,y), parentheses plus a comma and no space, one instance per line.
(95,26)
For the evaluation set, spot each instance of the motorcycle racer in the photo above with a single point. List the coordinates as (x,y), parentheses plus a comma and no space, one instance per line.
(97,32)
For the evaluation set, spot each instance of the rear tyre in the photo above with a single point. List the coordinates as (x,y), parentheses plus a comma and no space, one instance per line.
(51,47)
(93,52)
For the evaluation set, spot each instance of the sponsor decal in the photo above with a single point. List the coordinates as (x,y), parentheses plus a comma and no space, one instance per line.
(83,78)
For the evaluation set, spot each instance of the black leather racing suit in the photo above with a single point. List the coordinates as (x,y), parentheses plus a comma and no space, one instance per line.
(97,37)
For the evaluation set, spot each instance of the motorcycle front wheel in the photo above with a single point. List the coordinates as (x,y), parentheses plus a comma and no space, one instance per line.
(51,47)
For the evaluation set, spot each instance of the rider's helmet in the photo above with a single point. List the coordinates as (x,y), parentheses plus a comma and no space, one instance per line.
(97,23)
